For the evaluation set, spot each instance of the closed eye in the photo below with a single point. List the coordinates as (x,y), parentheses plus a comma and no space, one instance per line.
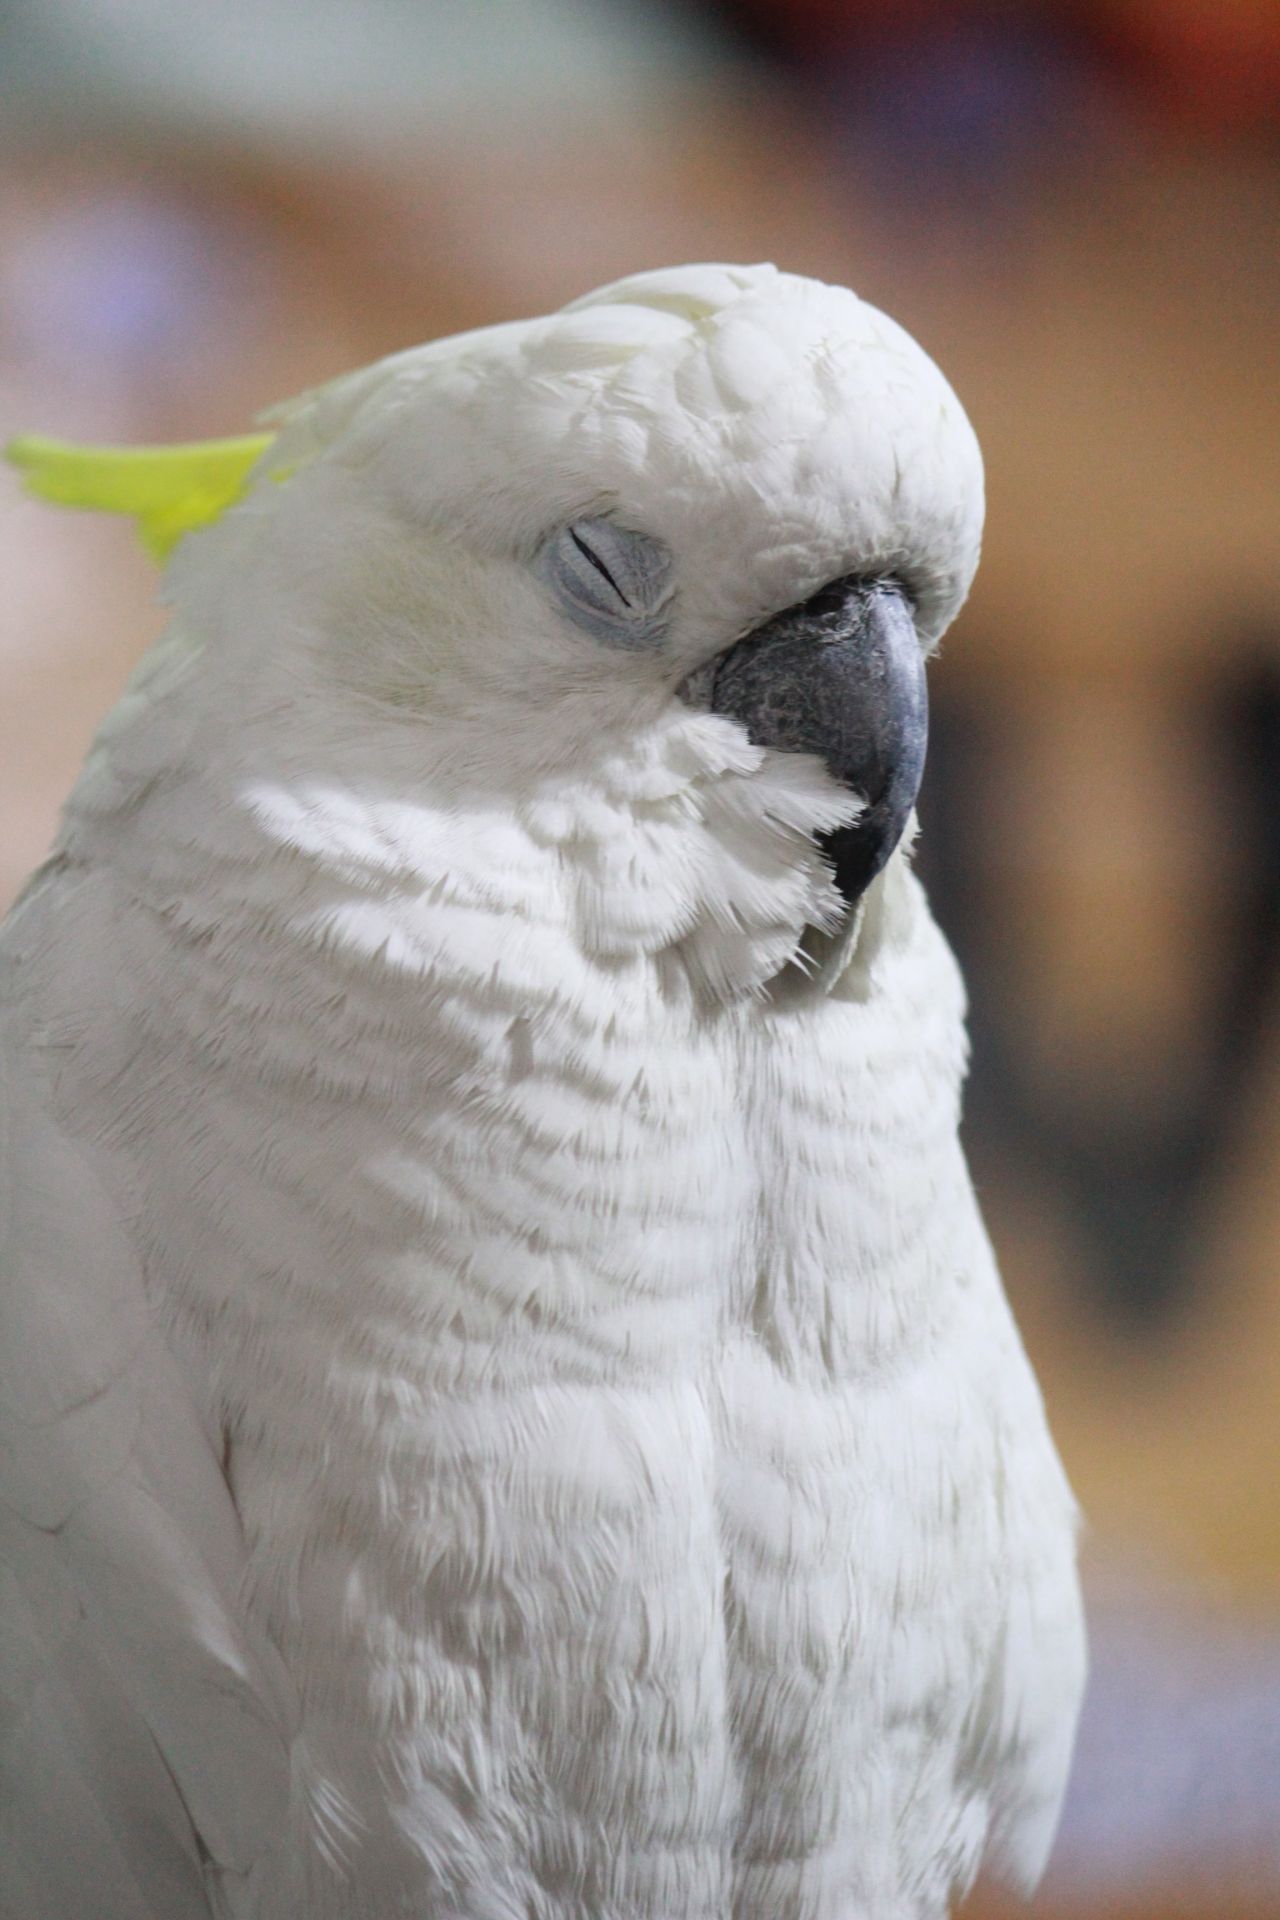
(597,562)
(613,582)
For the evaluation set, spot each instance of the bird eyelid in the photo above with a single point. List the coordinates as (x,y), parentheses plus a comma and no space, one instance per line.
(610,580)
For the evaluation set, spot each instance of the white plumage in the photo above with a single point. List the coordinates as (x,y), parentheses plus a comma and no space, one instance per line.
(509,1411)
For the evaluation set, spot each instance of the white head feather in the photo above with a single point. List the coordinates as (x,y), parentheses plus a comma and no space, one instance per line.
(382,621)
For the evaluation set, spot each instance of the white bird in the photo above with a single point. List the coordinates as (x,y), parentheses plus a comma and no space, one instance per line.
(509,1409)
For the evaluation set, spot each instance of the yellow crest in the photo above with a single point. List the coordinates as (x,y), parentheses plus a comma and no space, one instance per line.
(168,490)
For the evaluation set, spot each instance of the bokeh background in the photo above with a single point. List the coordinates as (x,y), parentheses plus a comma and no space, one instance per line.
(1075,206)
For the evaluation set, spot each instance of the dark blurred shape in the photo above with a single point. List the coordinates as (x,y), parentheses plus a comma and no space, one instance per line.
(1209,65)
(956,109)
(963,117)
(1245,714)
(1136,1176)
(993,83)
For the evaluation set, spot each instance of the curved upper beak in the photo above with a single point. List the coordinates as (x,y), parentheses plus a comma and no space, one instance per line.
(842,675)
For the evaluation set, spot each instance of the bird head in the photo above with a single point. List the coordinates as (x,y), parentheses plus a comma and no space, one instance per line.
(729,504)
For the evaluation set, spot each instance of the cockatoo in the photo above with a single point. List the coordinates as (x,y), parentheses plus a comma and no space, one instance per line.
(509,1408)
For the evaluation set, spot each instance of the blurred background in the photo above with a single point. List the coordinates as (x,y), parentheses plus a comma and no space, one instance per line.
(1075,206)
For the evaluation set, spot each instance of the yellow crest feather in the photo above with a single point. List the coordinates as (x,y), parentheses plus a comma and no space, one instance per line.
(168,490)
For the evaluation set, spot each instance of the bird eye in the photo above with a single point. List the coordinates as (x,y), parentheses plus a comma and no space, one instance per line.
(613,583)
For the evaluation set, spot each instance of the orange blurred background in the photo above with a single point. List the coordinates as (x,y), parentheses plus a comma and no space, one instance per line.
(1076,209)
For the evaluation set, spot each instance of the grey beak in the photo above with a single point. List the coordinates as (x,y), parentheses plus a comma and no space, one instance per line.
(842,676)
